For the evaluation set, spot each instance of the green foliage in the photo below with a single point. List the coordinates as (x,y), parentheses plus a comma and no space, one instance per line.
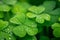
(37,10)
(3,24)
(20,20)
(49,5)
(10,2)
(4,7)
(6,36)
(19,31)
(56,28)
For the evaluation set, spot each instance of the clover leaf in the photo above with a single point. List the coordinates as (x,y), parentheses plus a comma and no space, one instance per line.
(4,7)
(41,18)
(56,32)
(18,19)
(3,24)
(20,8)
(36,10)
(55,12)
(49,5)
(19,31)
(55,26)
(10,2)
(26,27)
(6,36)
(59,18)
(31,15)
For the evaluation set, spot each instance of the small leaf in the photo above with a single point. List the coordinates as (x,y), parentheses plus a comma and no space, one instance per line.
(26,5)
(19,31)
(30,23)
(9,29)
(55,26)
(46,16)
(36,10)
(31,31)
(59,19)
(3,24)
(40,9)
(49,5)
(18,19)
(55,12)
(10,2)
(4,7)
(39,19)
(30,15)
(6,36)
(56,32)
(17,9)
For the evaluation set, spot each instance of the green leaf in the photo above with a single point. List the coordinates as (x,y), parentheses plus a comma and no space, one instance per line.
(17,9)
(6,36)
(59,19)
(18,19)
(49,5)
(31,31)
(46,16)
(10,2)
(9,29)
(26,5)
(36,9)
(56,32)
(4,7)
(30,23)
(3,24)
(30,15)
(40,9)
(55,26)
(1,15)
(39,19)
(19,31)
(55,12)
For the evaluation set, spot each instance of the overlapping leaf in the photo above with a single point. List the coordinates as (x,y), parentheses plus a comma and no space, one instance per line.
(6,36)
(31,15)
(56,32)
(55,12)
(36,10)
(49,5)
(10,2)
(20,31)
(18,19)
(29,27)
(4,7)
(41,18)
(55,26)
(20,8)
(3,24)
